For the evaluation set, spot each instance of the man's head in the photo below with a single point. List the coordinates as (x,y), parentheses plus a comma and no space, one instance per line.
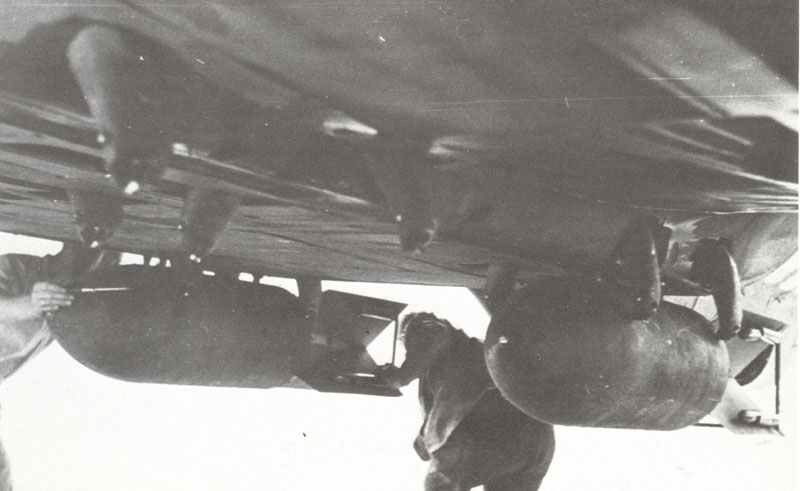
(419,319)
(423,328)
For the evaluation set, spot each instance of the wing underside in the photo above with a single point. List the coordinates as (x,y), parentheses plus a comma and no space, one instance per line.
(540,134)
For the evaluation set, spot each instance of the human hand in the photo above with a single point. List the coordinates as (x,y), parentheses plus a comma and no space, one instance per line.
(46,298)
(389,375)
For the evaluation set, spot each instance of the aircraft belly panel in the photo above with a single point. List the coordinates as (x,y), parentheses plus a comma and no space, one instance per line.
(505,80)
(435,67)
(474,67)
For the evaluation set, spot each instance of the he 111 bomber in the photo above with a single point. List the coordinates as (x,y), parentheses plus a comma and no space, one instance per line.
(572,163)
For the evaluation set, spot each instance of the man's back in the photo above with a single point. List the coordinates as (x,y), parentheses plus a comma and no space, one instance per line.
(451,387)
(471,434)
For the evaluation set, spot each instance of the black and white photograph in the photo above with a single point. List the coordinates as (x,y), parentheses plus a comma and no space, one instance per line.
(407,245)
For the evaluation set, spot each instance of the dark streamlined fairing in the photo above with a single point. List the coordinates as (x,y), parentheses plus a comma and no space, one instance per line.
(714,267)
(118,84)
(634,272)
(562,353)
(206,212)
(97,216)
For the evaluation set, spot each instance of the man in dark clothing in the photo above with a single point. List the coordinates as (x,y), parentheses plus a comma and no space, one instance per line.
(31,288)
(471,434)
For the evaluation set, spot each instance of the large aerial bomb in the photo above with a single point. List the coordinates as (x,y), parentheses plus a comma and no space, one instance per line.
(604,350)
(564,353)
(148,325)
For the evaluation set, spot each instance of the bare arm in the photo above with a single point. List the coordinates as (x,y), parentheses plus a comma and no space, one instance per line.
(425,342)
(415,365)
(43,298)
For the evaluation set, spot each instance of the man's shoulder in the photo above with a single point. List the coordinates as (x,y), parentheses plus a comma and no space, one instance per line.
(465,341)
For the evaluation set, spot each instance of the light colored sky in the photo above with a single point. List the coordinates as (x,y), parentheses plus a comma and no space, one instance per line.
(71,429)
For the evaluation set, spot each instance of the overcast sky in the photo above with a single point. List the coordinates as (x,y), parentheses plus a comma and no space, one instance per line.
(68,428)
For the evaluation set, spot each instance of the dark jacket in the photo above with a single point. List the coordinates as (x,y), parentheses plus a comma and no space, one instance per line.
(450,387)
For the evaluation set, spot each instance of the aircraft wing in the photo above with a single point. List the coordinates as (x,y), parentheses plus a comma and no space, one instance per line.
(541,130)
